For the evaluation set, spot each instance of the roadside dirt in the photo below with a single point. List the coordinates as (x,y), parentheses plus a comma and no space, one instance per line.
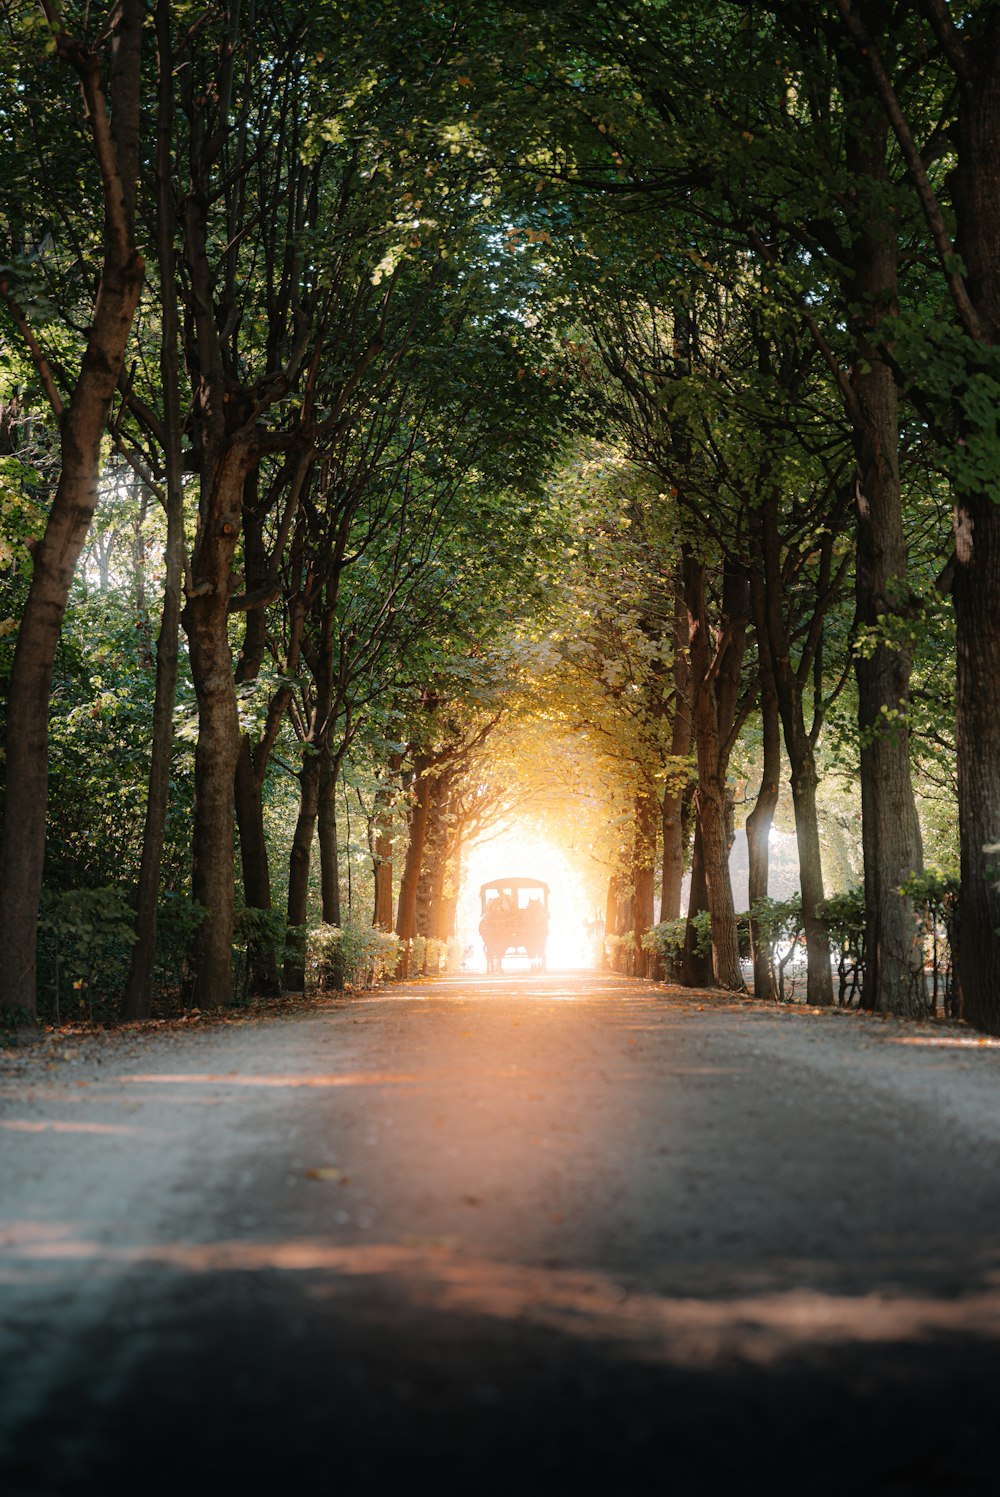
(567,1233)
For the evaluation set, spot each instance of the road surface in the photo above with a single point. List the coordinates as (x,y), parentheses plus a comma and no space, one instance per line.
(529,1234)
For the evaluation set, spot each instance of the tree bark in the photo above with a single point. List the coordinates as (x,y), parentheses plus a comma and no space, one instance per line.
(206,622)
(329,851)
(264,977)
(610,917)
(714,677)
(82,426)
(976,589)
(418,817)
(970,47)
(298,870)
(761,818)
(893,969)
(801,758)
(382,856)
(138,995)
(646,817)
(696,969)
(677,792)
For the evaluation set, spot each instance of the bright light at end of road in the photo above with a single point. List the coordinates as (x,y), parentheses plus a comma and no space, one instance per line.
(521,855)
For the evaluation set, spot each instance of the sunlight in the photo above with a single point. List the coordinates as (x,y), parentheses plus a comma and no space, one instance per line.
(521,853)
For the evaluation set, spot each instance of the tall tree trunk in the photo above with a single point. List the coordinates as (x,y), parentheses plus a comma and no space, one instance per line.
(709,679)
(760,821)
(116,143)
(213,836)
(431,866)
(610,917)
(138,996)
(677,791)
(890,829)
(298,871)
(696,969)
(646,817)
(264,977)
(437,859)
(801,759)
(419,813)
(382,856)
(329,853)
(976,589)
(970,46)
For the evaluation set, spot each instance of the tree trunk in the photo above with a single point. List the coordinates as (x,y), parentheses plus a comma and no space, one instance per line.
(138,996)
(676,794)
(298,871)
(382,914)
(406,912)
(610,917)
(646,816)
(696,969)
(804,780)
(970,46)
(22,852)
(799,747)
(382,857)
(711,676)
(213,836)
(431,875)
(893,970)
(329,853)
(976,589)
(758,830)
(264,977)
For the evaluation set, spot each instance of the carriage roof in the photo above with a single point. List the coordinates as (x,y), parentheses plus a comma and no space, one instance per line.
(513,883)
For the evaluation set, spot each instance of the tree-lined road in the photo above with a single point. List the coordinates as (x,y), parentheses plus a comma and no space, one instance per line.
(535,1233)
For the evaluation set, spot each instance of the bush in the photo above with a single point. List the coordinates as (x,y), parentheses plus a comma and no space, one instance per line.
(779,923)
(844,917)
(620,952)
(349,956)
(666,942)
(178,920)
(935,897)
(85,940)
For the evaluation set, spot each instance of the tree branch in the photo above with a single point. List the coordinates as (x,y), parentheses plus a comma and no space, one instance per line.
(38,357)
(911,155)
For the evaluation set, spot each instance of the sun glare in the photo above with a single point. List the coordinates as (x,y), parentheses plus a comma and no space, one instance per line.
(523,855)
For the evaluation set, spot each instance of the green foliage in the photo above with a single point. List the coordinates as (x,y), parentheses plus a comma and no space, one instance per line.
(84,943)
(620,951)
(178,920)
(349,956)
(933,889)
(99,751)
(959,382)
(844,917)
(779,920)
(779,924)
(666,941)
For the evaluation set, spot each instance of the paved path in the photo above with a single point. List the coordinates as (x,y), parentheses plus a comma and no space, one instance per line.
(521,1235)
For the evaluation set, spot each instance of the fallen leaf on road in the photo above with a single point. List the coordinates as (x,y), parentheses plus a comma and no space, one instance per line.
(327,1173)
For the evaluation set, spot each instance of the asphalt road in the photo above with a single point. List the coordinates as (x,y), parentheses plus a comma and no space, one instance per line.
(521,1235)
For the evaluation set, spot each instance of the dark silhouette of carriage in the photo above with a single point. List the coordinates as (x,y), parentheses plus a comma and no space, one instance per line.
(515,918)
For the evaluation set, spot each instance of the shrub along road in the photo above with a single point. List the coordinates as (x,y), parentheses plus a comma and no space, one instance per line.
(552,1234)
